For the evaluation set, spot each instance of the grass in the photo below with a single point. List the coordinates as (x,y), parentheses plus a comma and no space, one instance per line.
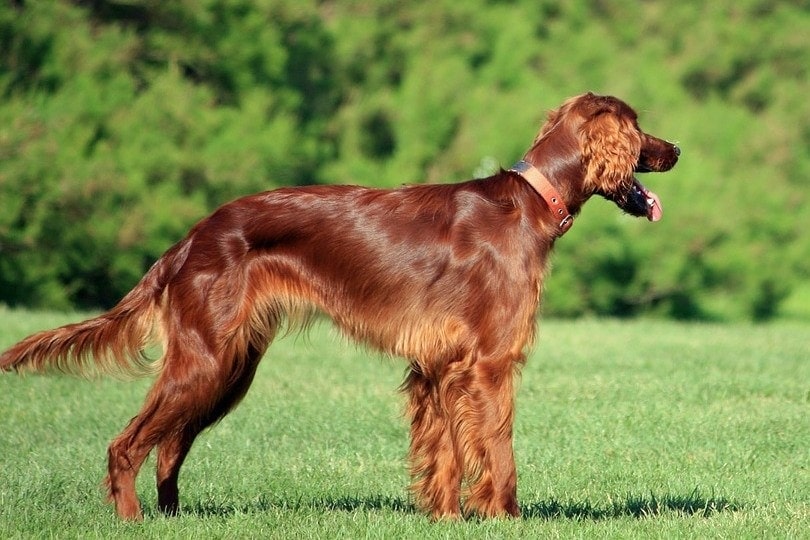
(624,429)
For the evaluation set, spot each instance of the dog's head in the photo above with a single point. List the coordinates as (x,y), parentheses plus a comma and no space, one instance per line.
(611,149)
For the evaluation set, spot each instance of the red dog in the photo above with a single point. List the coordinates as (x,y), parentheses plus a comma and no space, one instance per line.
(446,276)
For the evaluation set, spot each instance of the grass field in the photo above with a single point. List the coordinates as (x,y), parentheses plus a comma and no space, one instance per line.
(624,429)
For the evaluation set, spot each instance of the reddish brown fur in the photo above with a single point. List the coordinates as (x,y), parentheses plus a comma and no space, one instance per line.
(446,276)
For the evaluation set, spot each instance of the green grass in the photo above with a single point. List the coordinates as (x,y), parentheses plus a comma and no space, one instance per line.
(624,429)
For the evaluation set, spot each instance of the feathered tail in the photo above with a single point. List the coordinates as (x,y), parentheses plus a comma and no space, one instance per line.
(112,343)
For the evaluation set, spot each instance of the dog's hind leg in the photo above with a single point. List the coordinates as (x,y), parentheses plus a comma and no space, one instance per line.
(126,454)
(171,453)
(175,445)
(193,391)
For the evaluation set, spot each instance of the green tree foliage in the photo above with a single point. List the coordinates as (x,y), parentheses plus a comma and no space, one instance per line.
(122,123)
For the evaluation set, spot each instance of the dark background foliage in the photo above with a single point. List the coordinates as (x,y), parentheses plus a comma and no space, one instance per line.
(124,122)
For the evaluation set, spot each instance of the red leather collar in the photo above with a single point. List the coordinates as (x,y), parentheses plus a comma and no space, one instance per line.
(543,186)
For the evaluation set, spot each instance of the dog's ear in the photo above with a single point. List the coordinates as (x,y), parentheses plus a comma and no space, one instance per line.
(611,145)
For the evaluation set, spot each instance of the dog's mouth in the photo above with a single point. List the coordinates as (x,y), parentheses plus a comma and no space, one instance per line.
(647,199)
(638,201)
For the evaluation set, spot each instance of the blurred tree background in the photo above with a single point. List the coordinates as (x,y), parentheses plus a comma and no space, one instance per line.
(123,122)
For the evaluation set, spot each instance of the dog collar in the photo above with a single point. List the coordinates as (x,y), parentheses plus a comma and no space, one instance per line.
(543,186)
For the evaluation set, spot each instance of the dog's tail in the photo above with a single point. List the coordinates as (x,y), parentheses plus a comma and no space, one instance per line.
(112,343)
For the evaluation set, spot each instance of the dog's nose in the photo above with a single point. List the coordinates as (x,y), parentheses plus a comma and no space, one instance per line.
(676,150)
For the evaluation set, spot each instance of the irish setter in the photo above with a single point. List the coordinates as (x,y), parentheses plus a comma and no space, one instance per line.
(446,276)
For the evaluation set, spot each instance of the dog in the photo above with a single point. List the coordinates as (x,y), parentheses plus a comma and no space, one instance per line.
(446,276)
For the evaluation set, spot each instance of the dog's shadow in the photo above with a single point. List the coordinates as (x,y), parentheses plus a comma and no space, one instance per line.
(262,504)
(693,504)
(635,506)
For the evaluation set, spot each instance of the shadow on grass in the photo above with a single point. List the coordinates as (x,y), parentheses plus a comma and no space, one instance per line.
(631,506)
(325,504)
(634,506)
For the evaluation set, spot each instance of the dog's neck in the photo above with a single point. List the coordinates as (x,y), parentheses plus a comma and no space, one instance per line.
(546,189)
(558,156)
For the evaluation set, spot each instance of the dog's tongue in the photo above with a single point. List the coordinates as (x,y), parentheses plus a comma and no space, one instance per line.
(654,210)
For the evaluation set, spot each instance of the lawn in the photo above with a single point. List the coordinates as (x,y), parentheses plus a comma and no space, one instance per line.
(630,429)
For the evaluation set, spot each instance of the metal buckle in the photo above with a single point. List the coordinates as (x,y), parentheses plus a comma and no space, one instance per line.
(566,223)
(520,167)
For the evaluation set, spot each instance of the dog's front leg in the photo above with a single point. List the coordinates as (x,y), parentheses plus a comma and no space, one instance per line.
(435,463)
(484,416)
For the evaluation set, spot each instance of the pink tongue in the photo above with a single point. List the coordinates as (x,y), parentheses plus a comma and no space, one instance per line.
(654,210)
